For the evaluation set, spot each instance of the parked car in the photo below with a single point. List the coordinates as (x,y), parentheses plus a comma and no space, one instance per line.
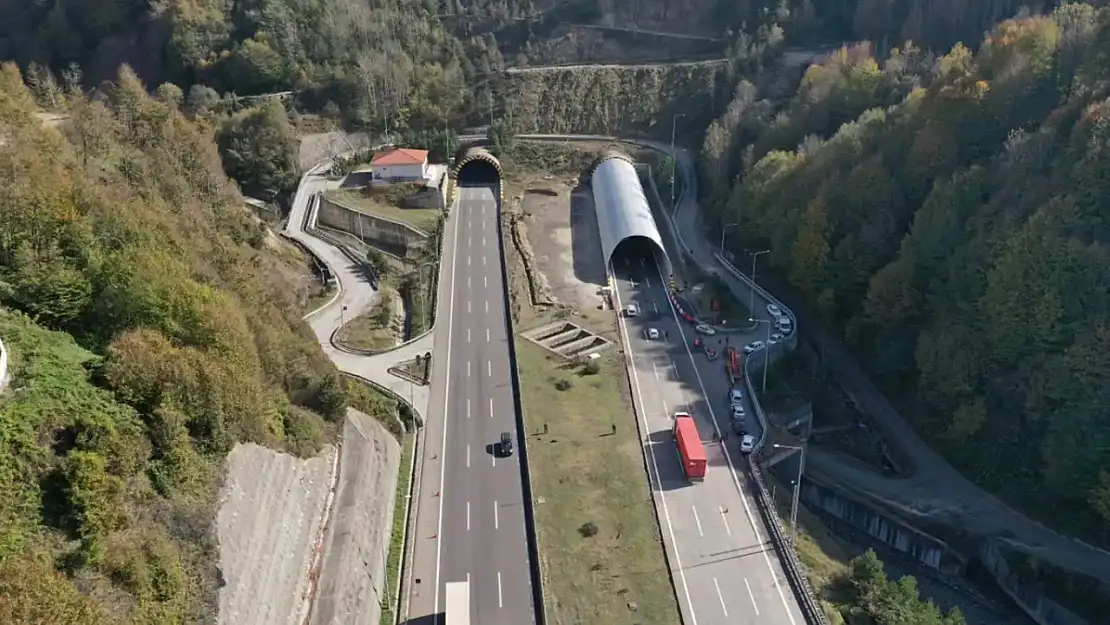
(785,325)
(631,310)
(705,329)
(651,334)
(747,444)
(753,347)
(777,336)
(735,396)
(739,426)
(774,310)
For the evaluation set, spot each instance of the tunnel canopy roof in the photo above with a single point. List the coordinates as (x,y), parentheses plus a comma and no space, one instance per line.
(622,209)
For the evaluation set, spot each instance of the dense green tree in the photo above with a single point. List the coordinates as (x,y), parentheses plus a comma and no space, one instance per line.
(259,150)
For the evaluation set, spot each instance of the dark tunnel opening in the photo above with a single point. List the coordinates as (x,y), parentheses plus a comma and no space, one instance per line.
(479,172)
(637,256)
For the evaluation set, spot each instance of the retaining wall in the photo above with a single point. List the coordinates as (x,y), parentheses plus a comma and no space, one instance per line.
(1039,607)
(373,228)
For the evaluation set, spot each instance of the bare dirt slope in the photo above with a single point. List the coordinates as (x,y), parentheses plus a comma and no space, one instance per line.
(270,519)
(352,582)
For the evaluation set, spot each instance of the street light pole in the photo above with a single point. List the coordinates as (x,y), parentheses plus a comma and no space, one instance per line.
(725,227)
(755,255)
(766,349)
(674,161)
(797,489)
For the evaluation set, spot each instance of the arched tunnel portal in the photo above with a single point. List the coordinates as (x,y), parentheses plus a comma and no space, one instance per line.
(475,166)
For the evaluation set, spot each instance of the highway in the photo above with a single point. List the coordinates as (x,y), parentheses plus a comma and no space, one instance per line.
(724,566)
(481,528)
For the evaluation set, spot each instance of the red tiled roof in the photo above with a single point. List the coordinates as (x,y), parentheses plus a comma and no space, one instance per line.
(400,156)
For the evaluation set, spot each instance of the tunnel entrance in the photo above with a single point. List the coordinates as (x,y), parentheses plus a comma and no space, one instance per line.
(639,256)
(478,172)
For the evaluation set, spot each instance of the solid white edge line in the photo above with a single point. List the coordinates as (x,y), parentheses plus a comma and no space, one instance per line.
(728,457)
(651,453)
(446,406)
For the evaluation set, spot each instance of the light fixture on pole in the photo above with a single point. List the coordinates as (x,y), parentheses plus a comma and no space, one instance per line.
(755,255)
(797,488)
(724,228)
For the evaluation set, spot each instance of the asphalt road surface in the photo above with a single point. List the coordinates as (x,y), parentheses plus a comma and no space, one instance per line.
(725,568)
(481,516)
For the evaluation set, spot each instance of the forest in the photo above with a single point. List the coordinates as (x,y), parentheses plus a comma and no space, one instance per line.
(152,323)
(946,213)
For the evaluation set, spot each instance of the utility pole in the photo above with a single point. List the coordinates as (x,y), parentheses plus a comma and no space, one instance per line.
(755,255)
(725,227)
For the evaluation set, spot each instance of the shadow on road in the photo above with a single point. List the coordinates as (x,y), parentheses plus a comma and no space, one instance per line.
(427,620)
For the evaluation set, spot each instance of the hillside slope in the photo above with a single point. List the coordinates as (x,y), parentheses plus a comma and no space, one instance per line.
(948,216)
(152,324)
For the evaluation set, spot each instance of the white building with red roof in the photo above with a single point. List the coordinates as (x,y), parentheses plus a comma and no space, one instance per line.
(400,164)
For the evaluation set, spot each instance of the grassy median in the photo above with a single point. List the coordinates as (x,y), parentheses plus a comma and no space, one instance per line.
(598,536)
(397,537)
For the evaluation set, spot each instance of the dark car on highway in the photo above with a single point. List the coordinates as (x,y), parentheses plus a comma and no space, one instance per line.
(505,448)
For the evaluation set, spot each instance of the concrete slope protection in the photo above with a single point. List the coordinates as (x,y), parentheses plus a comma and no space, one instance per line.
(723,567)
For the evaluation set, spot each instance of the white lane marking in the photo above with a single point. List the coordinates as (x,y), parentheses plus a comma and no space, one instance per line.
(489,371)
(500,603)
(487,305)
(697,520)
(468,466)
(468,282)
(446,406)
(654,370)
(467,261)
(483,241)
(468,335)
(725,519)
(721,597)
(756,607)
(632,282)
(654,307)
(483,261)
(487,335)
(491,408)
(485,281)
(642,262)
(496,518)
(468,224)
(655,465)
(731,467)
(468,516)
(467,305)
(493,456)
(468,368)
(647,282)
(467,408)
(468,241)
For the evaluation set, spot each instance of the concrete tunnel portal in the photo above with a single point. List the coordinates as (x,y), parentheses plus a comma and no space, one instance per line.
(624,218)
(475,165)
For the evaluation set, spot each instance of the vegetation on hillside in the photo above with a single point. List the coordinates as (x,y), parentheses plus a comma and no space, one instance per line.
(945,212)
(879,600)
(152,325)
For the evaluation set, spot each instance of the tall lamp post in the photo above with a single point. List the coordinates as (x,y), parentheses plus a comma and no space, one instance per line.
(724,228)
(766,349)
(755,255)
(797,488)
(420,268)
(674,161)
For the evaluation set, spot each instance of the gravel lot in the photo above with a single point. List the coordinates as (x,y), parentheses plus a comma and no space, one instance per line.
(270,519)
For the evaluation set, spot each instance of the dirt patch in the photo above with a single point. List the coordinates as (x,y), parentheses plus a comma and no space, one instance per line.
(352,580)
(269,525)
(318,147)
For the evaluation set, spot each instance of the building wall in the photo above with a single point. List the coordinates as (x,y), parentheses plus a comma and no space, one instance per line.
(400,172)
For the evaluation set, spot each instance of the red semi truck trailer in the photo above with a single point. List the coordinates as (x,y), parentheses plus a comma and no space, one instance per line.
(690,449)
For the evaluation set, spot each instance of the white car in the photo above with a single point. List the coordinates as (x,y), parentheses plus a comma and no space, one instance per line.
(735,396)
(774,310)
(753,347)
(738,411)
(631,310)
(652,334)
(747,444)
(777,336)
(705,329)
(785,324)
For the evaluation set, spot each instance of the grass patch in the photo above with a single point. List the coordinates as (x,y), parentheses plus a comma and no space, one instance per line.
(380,205)
(377,403)
(397,533)
(318,296)
(598,535)
(376,329)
